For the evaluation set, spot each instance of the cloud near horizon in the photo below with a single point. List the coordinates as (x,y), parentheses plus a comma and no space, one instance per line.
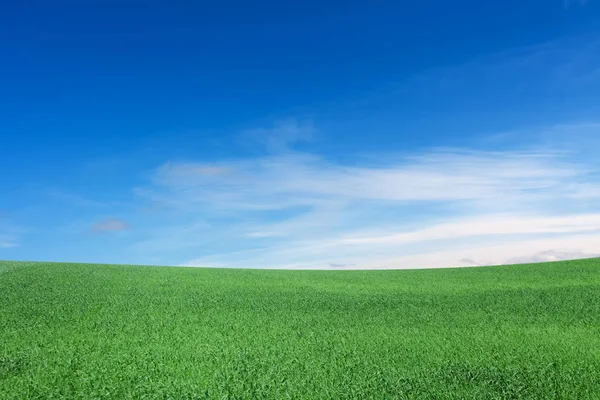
(9,233)
(436,208)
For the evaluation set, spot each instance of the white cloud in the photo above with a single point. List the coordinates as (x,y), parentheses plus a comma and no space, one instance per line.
(281,136)
(552,255)
(10,234)
(434,176)
(564,247)
(442,207)
(490,225)
(450,251)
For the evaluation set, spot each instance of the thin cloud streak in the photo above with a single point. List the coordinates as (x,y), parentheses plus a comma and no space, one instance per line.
(300,210)
(564,247)
(305,179)
(509,252)
(490,225)
(10,235)
(282,136)
(553,255)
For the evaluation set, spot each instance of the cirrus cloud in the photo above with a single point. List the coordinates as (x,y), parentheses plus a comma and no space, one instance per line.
(439,207)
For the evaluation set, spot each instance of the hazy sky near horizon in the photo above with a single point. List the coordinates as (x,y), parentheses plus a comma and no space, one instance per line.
(300,134)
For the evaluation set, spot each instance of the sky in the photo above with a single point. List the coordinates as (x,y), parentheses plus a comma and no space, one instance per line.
(302,135)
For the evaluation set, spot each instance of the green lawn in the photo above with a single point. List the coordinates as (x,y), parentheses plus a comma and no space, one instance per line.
(130,332)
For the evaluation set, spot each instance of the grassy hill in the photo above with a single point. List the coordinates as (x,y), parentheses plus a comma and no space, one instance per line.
(131,332)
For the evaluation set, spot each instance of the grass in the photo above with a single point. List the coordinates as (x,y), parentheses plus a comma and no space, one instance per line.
(122,332)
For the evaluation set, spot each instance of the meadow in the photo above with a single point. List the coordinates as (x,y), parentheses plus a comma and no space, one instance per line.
(81,331)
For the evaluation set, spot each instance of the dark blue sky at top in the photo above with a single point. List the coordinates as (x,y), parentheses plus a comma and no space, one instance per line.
(108,74)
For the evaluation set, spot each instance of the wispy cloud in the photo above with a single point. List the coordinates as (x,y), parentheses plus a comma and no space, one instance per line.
(523,194)
(280,137)
(552,255)
(438,207)
(110,225)
(6,245)
(533,77)
(490,225)
(10,234)
(303,179)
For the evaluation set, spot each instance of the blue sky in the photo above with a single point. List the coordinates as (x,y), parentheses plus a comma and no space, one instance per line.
(300,135)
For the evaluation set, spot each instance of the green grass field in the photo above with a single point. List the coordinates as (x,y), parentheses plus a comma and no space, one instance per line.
(124,332)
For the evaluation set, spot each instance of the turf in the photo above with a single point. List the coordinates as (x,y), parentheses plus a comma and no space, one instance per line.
(128,332)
